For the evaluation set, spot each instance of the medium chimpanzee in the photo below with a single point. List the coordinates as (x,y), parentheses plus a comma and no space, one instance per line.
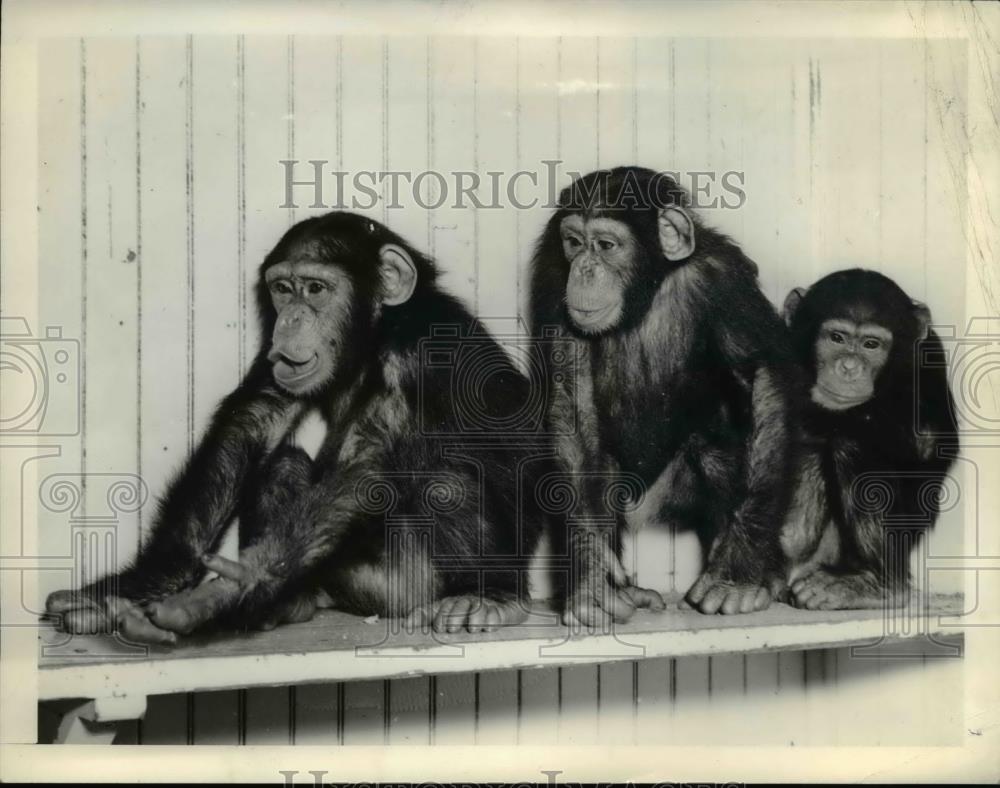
(681,378)
(879,438)
(344,304)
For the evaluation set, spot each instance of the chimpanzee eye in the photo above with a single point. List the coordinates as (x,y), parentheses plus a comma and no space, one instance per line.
(572,242)
(605,245)
(871,344)
(836,336)
(280,288)
(315,288)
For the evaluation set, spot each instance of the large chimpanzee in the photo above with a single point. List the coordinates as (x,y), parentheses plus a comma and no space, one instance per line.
(680,378)
(344,304)
(879,438)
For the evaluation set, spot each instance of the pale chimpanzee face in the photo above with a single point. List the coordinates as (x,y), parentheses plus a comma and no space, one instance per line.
(601,253)
(313,304)
(849,357)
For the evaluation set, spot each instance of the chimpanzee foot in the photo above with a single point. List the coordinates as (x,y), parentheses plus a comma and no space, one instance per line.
(184,612)
(131,623)
(471,612)
(711,594)
(822,590)
(78,613)
(596,605)
(296,610)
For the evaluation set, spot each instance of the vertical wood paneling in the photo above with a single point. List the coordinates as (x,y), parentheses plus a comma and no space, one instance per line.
(539,717)
(496,150)
(407,144)
(409,711)
(654,701)
(578,694)
(453,147)
(616,703)
(903,129)
(267,716)
(159,206)
(317,714)
(364,712)
(499,701)
(454,705)
(61,85)
(109,297)
(578,104)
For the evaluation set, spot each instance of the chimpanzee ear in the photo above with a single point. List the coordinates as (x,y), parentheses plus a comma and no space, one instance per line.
(398,273)
(922,316)
(676,232)
(792,301)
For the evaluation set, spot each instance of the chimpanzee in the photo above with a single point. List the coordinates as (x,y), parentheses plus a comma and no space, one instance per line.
(344,306)
(682,378)
(879,435)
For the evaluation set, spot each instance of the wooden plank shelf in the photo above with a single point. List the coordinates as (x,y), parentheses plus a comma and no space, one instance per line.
(339,647)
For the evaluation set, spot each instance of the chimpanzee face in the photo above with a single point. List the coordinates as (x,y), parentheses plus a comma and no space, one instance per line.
(849,357)
(606,259)
(325,306)
(601,253)
(312,299)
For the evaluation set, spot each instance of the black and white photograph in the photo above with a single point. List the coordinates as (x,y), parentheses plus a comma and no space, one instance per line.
(558,392)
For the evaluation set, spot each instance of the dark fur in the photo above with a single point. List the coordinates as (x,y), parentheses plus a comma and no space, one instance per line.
(891,446)
(307,524)
(692,384)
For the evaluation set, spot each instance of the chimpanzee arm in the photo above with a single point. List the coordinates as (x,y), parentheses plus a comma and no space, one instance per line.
(751,340)
(290,547)
(594,584)
(873,569)
(202,499)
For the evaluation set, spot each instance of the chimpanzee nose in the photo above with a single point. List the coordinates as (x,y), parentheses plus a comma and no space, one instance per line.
(585,271)
(293,317)
(850,367)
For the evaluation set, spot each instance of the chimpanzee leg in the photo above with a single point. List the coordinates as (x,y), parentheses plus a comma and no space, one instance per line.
(269,492)
(271,523)
(286,476)
(192,516)
(273,489)
(884,582)
(478,578)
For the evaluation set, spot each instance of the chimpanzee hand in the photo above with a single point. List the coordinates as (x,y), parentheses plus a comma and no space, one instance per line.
(603,593)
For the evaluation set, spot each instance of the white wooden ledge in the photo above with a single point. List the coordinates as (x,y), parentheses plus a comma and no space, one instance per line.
(339,647)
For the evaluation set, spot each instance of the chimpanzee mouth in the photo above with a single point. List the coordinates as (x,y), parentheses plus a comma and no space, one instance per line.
(839,398)
(590,317)
(288,370)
